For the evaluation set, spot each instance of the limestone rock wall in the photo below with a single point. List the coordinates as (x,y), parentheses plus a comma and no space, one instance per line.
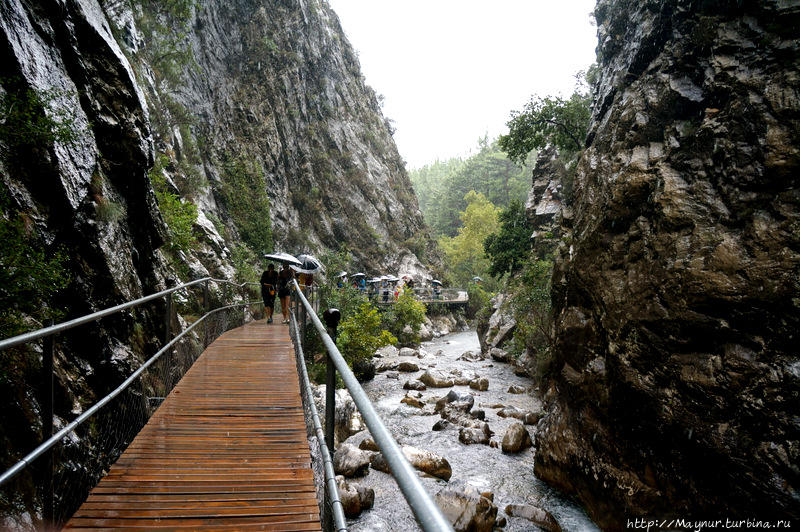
(272,82)
(677,309)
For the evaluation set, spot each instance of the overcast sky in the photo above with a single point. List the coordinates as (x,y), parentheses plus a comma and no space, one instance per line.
(452,70)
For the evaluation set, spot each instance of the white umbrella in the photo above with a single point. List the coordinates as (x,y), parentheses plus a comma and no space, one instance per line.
(308,264)
(284,258)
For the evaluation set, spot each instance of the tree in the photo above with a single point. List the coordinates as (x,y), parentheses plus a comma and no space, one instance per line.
(442,186)
(361,334)
(508,249)
(551,120)
(464,252)
(406,311)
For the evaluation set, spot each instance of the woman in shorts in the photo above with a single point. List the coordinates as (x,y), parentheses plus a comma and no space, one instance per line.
(269,289)
(284,289)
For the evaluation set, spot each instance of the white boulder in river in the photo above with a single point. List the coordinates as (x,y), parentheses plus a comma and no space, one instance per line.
(425,461)
(350,461)
(466,508)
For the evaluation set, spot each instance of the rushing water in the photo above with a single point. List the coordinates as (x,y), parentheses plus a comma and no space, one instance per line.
(509,476)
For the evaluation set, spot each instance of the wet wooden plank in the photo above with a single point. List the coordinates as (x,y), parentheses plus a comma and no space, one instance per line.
(226,450)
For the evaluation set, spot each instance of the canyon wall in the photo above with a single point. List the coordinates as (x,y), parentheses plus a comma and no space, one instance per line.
(676,295)
(147,143)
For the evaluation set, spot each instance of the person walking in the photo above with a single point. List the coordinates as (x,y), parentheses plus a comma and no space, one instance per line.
(284,289)
(269,288)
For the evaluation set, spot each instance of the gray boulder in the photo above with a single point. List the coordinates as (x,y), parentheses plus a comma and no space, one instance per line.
(355,498)
(516,439)
(481,384)
(436,379)
(424,461)
(466,508)
(407,366)
(414,385)
(475,435)
(350,461)
(498,354)
(541,518)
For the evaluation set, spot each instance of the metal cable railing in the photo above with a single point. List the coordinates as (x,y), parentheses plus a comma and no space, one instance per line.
(332,501)
(428,514)
(83,459)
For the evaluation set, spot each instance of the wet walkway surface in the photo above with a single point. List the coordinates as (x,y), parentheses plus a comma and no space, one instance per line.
(226,449)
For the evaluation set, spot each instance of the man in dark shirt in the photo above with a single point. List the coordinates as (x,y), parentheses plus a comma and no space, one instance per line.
(269,287)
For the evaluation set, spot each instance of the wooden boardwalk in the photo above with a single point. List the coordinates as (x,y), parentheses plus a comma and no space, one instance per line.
(227,449)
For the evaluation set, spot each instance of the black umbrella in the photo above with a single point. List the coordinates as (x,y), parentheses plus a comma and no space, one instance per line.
(436,282)
(284,258)
(308,264)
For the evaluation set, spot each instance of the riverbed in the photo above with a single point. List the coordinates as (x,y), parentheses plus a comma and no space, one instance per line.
(509,476)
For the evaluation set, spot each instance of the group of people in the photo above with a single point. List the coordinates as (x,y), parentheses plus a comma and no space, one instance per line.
(274,283)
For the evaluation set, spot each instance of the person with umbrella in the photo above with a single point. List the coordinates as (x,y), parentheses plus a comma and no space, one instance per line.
(284,279)
(309,265)
(437,288)
(284,289)
(269,288)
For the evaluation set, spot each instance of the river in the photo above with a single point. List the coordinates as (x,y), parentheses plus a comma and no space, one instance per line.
(509,476)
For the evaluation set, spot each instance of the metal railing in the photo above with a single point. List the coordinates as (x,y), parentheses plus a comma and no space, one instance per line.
(48,335)
(427,513)
(332,501)
(426,295)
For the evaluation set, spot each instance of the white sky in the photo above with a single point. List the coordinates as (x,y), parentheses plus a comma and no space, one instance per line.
(453,70)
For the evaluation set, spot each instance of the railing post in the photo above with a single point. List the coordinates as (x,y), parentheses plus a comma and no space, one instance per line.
(48,407)
(331,317)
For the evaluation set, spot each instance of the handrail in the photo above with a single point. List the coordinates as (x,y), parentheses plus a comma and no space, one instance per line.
(429,516)
(330,476)
(43,447)
(65,326)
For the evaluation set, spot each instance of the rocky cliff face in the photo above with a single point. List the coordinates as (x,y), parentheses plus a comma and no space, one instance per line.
(676,300)
(129,115)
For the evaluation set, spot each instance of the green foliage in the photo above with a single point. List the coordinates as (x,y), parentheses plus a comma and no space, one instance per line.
(30,117)
(246,263)
(442,186)
(347,300)
(479,301)
(361,334)
(179,215)
(244,194)
(30,273)
(464,253)
(508,249)
(531,306)
(165,25)
(108,211)
(406,311)
(544,121)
